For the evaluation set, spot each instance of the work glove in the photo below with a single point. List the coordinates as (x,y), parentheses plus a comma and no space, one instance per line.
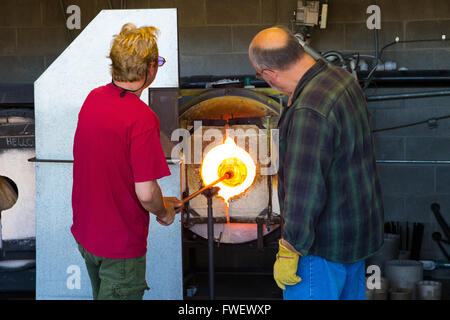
(285,267)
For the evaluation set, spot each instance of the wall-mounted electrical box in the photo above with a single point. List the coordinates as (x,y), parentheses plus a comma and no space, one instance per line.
(309,12)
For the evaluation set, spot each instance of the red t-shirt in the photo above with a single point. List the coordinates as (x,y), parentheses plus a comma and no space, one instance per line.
(116,144)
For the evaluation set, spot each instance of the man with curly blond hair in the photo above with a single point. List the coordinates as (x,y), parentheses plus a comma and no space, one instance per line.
(118,159)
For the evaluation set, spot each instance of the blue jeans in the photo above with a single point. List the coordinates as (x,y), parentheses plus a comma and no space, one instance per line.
(326,280)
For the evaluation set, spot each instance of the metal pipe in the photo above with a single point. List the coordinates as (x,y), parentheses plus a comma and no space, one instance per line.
(34,159)
(269,177)
(211,247)
(223,220)
(308,49)
(435,207)
(377,52)
(409,95)
(437,78)
(334,53)
(227,175)
(2,252)
(414,161)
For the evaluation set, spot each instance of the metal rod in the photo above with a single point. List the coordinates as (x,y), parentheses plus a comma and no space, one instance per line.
(414,161)
(269,177)
(409,95)
(275,219)
(437,214)
(226,176)
(211,248)
(34,159)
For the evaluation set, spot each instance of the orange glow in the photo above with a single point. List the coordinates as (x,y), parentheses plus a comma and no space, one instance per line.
(228,157)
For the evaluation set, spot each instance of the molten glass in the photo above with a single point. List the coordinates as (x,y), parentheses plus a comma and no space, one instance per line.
(225,158)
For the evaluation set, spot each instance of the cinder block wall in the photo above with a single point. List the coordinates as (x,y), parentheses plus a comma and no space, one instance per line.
(214,37)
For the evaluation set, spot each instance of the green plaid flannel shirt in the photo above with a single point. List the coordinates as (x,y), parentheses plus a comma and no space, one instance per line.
(328,185)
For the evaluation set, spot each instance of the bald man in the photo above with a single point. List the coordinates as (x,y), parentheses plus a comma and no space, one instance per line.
(328,187)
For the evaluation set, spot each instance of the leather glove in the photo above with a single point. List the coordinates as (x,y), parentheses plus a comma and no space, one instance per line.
(285,267)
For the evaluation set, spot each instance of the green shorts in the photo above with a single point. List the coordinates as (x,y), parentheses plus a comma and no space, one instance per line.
(115,279)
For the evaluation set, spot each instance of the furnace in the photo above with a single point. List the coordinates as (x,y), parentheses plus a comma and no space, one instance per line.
(236,130)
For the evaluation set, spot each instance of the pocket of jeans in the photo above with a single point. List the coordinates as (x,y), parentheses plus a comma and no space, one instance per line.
(129,293)
(134,270)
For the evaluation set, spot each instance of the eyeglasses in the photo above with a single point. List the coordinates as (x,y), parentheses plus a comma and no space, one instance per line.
(260,74)
(161,61)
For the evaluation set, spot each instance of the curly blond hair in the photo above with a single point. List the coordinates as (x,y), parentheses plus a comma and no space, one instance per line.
(132,50)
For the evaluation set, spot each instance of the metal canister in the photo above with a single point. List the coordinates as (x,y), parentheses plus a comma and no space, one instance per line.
(404,274)
(401,294)
(429,290)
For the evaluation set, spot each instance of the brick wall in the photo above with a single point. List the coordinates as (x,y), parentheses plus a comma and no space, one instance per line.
(214,37)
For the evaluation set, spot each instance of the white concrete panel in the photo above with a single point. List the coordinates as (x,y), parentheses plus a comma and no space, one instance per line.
(61,90)
(57,255)
(164,249)
(19,221)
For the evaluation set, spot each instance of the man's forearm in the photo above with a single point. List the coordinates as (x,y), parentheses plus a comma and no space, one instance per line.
(156,204)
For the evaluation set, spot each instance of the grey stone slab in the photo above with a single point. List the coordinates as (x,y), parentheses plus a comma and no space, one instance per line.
(443,129)
(216,64)
(348,10)
(406,10)
(424,30)
(233,12)
(204,40)
(285,10)
(384,104)
(389,148)
(406,179)
(20,13)
(8,40)
(191,12)
(427,148)
(162,4)
(41,41)
(442,9)
(394,208)
(388,118)
(429,103)
(49,59)
(443,180)
(269,11)
(442,59)
(359,37)
(418,207)
(135,4)
(331,38)
(25,69)
(243,35)
(192,65)
(52,14)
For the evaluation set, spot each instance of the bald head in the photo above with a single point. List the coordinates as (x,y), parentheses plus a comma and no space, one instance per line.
(271,38)
(275,48)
